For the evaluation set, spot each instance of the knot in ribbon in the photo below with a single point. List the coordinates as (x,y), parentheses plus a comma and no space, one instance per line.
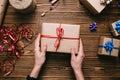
(117,27)
(109,46)
(59,32)
(93,26)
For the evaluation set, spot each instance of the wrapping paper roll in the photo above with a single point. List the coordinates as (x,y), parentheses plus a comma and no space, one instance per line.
(23,6)
(3,4)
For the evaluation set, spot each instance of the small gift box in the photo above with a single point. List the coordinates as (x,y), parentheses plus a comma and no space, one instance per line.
(3,4)
(60,37)
(109,46)
(94,6)
(115,27)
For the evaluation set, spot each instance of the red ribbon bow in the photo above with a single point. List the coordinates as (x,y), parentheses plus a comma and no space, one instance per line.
(60,32)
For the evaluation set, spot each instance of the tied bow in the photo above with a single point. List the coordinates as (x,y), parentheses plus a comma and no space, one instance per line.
(59,32)
(109,46)
(117,27)
(93,26)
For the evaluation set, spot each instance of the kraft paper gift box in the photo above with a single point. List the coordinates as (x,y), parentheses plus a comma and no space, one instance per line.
(61,36)
(94,6)
(109,46)
(115,28)
(3,4)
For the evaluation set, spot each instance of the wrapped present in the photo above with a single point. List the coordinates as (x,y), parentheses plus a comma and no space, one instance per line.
(3,4)
(109,46)
(60,37)
(115,28)
(94,6)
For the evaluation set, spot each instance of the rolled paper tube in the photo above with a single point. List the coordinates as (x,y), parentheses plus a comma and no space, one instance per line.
(3,6)
(23,6)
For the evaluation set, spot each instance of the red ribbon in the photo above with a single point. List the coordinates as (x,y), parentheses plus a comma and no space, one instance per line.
(59,33)
(25,32)
(10,37)
(6,68)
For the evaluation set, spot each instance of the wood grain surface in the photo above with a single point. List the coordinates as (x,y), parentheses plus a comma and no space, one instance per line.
(57,66)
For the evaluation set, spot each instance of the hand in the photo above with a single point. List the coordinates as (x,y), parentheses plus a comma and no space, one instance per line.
(39,58)
(39,55)
(76,60)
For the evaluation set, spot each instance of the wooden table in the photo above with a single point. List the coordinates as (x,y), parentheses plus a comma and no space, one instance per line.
(57,66)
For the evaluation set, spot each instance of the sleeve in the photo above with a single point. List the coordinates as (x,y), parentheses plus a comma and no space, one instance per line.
(31,78)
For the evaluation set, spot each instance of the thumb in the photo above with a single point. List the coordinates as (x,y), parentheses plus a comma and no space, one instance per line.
(72,53)
(44,49)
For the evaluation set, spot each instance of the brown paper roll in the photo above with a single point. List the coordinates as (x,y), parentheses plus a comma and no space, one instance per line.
(3,4)
(23,6)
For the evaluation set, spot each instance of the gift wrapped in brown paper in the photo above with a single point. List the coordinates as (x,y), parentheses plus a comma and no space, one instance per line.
(60,37)
(94,6)
(115,28)
(109,46)
(3,4)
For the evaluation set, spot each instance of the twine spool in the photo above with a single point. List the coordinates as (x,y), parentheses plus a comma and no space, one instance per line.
(23,6)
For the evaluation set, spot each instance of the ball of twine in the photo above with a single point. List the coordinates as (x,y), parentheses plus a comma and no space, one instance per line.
(23,6)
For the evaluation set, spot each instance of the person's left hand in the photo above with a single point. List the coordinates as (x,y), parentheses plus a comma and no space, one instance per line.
(39,55)
(39,58)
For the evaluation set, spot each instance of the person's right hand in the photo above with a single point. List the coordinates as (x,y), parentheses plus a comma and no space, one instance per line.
(76,60)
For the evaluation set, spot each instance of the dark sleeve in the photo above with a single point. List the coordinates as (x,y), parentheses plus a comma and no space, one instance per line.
(31,78)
